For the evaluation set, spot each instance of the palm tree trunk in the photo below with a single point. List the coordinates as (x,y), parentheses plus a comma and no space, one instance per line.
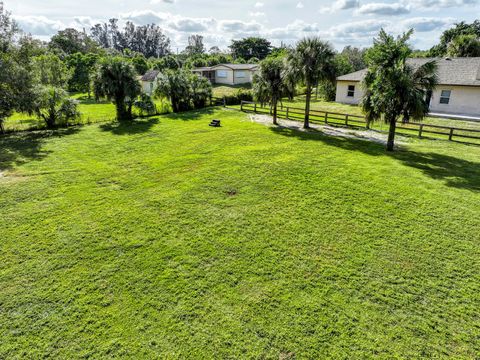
(274,104)
(391,134)
(308,97)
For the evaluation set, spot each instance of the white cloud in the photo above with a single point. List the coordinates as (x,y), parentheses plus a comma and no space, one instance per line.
(259,5)
(257,14)
(39,25)
(424,24)
(436,4)
(300,5)
(383,9)
(340,5)
(153,2)
(235,26)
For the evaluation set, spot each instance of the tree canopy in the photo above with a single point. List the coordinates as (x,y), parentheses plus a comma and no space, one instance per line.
(252,47)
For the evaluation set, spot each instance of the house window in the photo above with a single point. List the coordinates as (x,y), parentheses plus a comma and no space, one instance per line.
(351,91)
(240,74)
(222,73)
(445,97)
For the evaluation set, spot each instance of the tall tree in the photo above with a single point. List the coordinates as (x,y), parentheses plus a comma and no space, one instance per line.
(116,80)
(49,69)
(16,86)
(195,45)
(200,90)
(251,47)
(461,28)
(269,85)
(393,87)
(311,62)
(147,39)
(82,66)
(464,46)
(71,41)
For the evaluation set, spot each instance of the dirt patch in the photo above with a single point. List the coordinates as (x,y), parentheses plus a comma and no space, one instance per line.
(368,135)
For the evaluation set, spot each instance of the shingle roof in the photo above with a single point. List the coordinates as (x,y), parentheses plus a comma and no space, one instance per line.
(451,71)
(150,75)
(231,66)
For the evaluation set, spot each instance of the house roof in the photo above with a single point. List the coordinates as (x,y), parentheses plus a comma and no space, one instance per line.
(230,66)
(150,75)
(451,71)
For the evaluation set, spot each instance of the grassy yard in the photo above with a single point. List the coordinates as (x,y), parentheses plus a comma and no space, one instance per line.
(91,112)
(171,239)
(227,90)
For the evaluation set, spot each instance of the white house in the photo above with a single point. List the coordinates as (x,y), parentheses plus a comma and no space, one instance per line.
(457,93)
(149,82)
(228,74)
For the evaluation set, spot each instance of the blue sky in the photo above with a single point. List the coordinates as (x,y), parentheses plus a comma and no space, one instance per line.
(342,22)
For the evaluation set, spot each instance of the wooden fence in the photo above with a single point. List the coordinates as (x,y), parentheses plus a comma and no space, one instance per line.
(426,131)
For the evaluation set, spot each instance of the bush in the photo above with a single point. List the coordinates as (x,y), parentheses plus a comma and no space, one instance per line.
(238,97)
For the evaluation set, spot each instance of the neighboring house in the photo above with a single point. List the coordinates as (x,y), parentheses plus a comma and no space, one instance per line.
(149,81)
(457,92)
(228,74)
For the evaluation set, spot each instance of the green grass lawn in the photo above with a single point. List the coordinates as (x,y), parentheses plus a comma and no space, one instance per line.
(227,90)
(91,112)
(171,239)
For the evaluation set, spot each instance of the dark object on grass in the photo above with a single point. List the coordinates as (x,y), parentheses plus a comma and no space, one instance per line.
(215,123)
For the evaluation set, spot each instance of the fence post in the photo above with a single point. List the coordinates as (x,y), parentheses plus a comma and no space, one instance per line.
(241,105)
(346,119)
(224,102)
(450,136)
(255,107)
(326,117)
(420,131)
(287,112)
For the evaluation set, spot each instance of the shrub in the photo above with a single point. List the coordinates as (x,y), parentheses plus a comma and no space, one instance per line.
(239,96)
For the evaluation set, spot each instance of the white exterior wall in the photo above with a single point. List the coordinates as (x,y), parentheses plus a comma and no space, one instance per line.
(148,87)
(342,90)
(243,80)
(464,100)
(228,80)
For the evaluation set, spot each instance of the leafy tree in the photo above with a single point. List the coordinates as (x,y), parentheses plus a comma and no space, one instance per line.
(175,85)
(54,106)
(195,45)
(48,69)
(393,87)
(82,67)
(71,41)
(461,28)
(168,62)
(464,46)
(354,56)
(28,48)
(214,50)
(145,104)
(16,88)
(140,63)
(148,40)
(200,91)
(251,47)
(269,85)
(116,80)
(8,29)
(311,62)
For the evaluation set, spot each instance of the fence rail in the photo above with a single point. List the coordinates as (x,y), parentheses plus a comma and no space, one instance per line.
(425,131)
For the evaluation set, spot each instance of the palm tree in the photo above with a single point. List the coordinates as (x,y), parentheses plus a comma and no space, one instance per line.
(393,87)
(310,62)
(116,80)
(268,84)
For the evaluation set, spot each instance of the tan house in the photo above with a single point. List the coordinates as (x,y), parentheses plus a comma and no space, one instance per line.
(149,81)
(228,74)
(457,93)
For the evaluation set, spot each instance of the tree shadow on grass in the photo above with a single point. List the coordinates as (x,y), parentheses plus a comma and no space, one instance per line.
(23,147)
(455,172)
(137,126)
(191,115)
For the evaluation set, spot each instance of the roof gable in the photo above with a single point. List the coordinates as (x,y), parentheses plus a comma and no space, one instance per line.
(150,75)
